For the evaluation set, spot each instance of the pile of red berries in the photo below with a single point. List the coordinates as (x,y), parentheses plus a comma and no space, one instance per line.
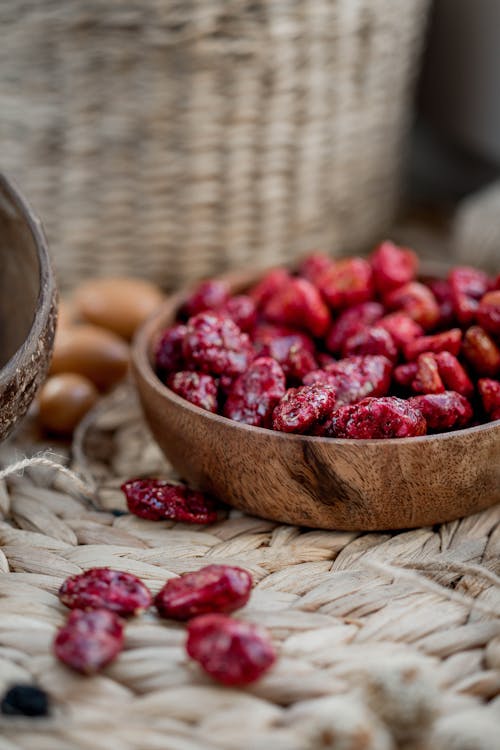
(231,651)
(351,348)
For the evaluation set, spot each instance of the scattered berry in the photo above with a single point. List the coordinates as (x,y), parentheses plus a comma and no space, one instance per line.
(231,651)
(89,640)
(102,588)
(158,500)
(216,588)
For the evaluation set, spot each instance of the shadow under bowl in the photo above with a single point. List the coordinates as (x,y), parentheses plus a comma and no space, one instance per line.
(28,306)
(318,482)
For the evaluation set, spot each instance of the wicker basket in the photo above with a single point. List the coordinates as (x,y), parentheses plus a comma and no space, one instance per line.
(173,139)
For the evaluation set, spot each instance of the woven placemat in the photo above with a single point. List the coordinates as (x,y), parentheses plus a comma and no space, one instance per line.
(386,640)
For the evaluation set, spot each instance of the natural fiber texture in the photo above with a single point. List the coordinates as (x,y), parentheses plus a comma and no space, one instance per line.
(172,139)
(386,640)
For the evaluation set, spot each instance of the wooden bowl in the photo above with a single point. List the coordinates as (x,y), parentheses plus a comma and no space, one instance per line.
(321,482)
(28,308)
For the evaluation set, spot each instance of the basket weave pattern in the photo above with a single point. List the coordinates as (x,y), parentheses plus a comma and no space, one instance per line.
(386,641)
(173,139)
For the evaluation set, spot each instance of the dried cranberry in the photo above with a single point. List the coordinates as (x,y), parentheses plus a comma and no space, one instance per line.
(387,417)
(355,378)
(404,375)
(481,352)
(351,321)
(348,282)
(231,651)
(242,310)
(301,407)
(269,286)
(427,378)
(488,313)
(372,341)
(254,394)
(157,500)
(467,285)
(447,341)
(292,353)
(168,352)
(442,291)
(89,640)
(214,344)
(102,588)
(212,294)
(401,327)
(489,390)
(314,266)
(392,266)
(216,588)
(298,303)
(443,411)
(417,301)
(197,387)
(453,374)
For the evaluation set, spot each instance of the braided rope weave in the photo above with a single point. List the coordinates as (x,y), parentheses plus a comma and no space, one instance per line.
(386,641)
(173,139)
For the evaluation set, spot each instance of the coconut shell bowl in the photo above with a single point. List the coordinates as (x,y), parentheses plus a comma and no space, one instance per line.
(314,481)
(28,306)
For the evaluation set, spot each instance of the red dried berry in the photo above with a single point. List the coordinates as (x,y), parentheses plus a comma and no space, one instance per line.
(254,394)
(292,353)
(102,588)
(355,378)
(301,407)
(324,360)
(231,651)
(443,411)
(89,640)
(427,378)
(404,375)
(242,310)
(298,303)
(447,341)
(212,294)
(351,321)
(387,417)
(314,266)
(489,390)
(372,341)
(216,588)
(196,387)
(214,344)
(157,500)
(481,352)
(467,285)
(168,352)
(348,282)
(442,292)
(488,313)
(453,374)
(417,301)
(392,266)
(401,327)
(269,286)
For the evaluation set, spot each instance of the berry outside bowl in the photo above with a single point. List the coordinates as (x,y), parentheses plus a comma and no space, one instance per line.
(28,306)
(312,481)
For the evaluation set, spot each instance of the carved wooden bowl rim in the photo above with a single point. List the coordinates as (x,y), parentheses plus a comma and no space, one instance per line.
(46,289)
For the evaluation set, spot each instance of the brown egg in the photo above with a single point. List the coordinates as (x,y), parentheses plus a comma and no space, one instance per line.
(66,313)
(64,400)
(119,304)
(87,350)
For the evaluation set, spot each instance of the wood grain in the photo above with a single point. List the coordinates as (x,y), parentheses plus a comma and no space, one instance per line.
(28,306)
(319,482)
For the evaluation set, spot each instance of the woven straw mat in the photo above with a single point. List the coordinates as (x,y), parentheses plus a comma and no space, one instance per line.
(385,640)
(171,139)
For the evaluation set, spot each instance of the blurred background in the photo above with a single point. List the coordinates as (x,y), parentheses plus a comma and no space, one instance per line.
(173,139)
